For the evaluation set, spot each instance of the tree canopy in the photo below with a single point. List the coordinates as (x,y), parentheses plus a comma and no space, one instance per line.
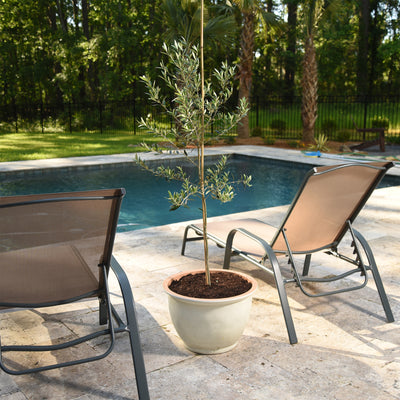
(93,50)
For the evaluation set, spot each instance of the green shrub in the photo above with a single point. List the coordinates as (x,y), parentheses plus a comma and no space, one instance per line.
(320,143)
(294,143)
(269,140)
(257,131)
(380,122)
(328,125)
(278,125)
(343,136)
(230,139)
(393,139)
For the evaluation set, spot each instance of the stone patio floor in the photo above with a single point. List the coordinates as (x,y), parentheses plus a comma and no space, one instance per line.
(346,350)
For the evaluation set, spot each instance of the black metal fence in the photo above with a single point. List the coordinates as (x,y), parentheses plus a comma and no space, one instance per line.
(338,117)
(111,116)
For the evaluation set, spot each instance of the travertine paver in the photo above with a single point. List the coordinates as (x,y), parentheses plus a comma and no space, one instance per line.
(346,349)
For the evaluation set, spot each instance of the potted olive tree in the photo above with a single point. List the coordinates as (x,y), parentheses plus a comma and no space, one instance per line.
(196,105)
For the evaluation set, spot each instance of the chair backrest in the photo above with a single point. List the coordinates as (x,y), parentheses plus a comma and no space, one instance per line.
(328,198)
(63,233)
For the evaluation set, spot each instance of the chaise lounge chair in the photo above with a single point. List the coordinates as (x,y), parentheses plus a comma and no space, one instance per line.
(320,216)
(57,249)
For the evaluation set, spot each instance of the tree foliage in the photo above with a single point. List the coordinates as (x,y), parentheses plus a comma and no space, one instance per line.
(75,50)
(197,104)
(94,50)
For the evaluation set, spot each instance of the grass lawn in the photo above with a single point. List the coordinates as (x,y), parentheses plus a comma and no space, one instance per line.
(36,146)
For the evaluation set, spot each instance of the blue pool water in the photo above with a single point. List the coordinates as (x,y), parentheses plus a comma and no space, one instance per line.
(145,204)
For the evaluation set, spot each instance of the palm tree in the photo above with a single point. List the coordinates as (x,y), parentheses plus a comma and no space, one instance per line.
(248,9)
(191,21)
(183,20)
(252,12)
(290,59)
(312,13)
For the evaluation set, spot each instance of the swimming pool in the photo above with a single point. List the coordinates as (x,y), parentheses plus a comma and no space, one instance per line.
(145,204)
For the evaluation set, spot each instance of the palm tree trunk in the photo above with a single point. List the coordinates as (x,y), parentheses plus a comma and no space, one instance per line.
(246,66)
(363,48)
(290,56)
(309,106)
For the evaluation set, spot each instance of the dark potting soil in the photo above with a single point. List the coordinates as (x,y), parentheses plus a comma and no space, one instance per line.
(223,284)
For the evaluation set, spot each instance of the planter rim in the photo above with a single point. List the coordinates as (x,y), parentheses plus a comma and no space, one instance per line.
(198,300)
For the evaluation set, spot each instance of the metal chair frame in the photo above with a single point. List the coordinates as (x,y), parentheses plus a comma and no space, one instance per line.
(270,264)
(107,312)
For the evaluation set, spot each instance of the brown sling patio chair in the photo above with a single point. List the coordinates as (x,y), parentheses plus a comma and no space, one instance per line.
(57,249)
(320,216)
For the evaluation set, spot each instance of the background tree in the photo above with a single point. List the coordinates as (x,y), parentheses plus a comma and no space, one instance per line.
(336,43)
(268,63)
(181,19)
(291,47)
(52,51)
(362,59)
(248,10)
(312,12)
(251,11)
(26,56)
(389,49)
(309,82)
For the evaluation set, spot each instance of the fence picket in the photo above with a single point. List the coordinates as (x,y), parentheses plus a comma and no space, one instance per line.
(271,116)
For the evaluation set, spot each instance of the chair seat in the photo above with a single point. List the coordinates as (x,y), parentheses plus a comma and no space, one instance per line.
(33,275)
(255,226)
(319,217)
(56,248)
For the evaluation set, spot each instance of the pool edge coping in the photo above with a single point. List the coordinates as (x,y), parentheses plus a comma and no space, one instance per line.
(297,156)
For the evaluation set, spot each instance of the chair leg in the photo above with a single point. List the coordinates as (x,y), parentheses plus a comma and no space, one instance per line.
(306,267)
(103,315)
(227,256)
(184,240)
(376,275)
(280,285)
(137,355)
(192,239)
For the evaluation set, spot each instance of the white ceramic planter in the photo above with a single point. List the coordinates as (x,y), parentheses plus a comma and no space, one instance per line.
(209,326)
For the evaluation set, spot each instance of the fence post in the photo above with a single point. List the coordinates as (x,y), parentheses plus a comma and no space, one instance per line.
(41,115)
(70,116)
(134,115)
(15,115)
(365,115)
(101,117)
(257,111)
